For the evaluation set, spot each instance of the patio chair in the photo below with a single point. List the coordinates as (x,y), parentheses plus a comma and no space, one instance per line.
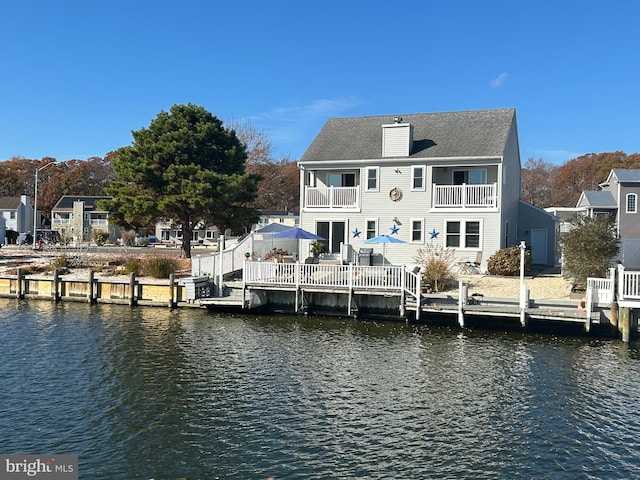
(469,267)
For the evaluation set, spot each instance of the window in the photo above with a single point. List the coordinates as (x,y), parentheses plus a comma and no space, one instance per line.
(472,235)
(371,229)
(372,178)
(453,234)
(178,233)
(341,180)
(12,215)
(164,235)
(210,234)
(632,203)
(417,177)
(470,177)
(463,234)
(416,230)
(335,233)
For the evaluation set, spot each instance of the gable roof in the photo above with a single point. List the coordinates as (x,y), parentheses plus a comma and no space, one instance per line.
(475,133)
(626,174)
(595,198)
(66,202)
(10,203)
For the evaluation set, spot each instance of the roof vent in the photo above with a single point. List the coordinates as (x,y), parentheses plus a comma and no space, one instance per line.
(397,139)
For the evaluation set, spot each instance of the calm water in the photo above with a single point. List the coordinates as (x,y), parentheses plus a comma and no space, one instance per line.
(150,393)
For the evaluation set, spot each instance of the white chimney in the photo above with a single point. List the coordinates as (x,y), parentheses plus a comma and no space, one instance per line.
(397,139)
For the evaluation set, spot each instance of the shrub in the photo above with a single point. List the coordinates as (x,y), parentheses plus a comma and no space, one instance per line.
(506,262)
(132,265)
(61,261)
(588,248)
(159,266)
(437,266)
(128,238)
(100,237)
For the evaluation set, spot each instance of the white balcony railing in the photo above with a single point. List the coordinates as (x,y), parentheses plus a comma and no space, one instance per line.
(331,197)
(465,196)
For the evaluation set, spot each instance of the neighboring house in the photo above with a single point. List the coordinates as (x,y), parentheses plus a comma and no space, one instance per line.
(447,180)
(17,213)
(78,218)
(283,217)
(3,240)
(171,233)
(618,198)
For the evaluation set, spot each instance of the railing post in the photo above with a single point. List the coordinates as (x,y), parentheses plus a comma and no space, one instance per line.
(132,288)
(620,282)
(462,300)
(172,286)
(90,289)
(463,196)
(587,321)
(19,279)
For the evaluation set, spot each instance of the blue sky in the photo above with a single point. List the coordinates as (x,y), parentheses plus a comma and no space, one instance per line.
(78,76)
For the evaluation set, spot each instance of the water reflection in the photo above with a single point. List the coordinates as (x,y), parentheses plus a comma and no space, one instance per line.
(153,393)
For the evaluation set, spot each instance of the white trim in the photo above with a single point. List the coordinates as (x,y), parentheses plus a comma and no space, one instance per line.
(424,178)
(366,179)
(376,228)
(411,230)
(635,202)
(463,224)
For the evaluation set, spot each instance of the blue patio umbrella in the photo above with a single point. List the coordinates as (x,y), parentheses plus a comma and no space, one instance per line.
(298,234)
(384,239)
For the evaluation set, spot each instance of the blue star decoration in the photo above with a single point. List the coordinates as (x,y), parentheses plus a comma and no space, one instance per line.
(356,233)
(433,233)
(394,229)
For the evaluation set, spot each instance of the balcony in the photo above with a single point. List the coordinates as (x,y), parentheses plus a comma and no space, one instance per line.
(465,196)
(332,197)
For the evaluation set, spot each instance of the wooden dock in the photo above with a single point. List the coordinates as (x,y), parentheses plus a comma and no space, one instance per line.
(342,291)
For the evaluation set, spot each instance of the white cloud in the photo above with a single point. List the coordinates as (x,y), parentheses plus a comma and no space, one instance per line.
(499,80)
(293,127)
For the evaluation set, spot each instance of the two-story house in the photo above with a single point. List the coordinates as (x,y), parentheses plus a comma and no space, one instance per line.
(448,179)
(618,198)
(17,213)
(77,218)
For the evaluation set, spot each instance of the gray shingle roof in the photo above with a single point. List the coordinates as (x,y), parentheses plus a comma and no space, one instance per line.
(66,202)
(599,199)
(627,174)
(450,134)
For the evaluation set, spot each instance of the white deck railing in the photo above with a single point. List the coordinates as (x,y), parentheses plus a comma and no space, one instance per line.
(347,277)
(602,289)
(317,275)
(465,196)
(628,285)
(331,197)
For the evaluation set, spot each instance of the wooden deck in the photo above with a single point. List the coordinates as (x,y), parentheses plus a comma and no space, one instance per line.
(361,283)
